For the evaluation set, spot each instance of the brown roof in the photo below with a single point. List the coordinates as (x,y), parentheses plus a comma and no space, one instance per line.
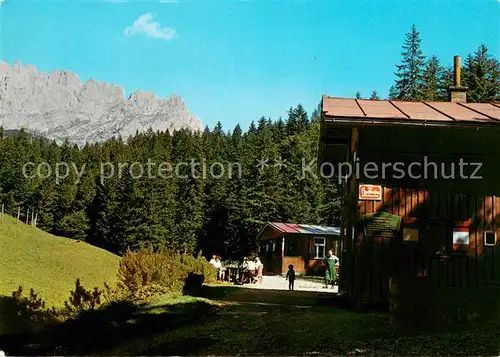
(417,112)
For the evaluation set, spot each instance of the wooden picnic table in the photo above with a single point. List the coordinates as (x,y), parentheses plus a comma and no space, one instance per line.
(235,274)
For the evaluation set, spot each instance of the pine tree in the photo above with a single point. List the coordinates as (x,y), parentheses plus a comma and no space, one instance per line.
(374,96)
(357,95)
(393,93)
(301,117)
(482,76)
(432,80)
(410,72)
(446,80)
(291,122)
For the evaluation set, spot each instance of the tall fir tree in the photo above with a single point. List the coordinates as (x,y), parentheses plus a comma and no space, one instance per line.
(482,76)
(410,72)
(432,80)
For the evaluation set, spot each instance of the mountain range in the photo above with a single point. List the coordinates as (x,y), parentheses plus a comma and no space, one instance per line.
(59,106)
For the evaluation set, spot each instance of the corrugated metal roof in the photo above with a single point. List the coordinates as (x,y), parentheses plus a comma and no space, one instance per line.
(417,111)
(305,228)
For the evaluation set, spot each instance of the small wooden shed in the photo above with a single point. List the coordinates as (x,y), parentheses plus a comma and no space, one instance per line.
(302,245)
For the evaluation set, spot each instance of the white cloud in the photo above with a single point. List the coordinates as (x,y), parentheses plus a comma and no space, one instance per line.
(146,26)
(1,2)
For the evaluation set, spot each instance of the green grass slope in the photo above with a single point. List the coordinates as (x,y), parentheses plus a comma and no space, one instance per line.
(35,259)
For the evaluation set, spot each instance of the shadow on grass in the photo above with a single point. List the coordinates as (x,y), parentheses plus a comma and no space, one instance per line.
(283,297)
(110,327)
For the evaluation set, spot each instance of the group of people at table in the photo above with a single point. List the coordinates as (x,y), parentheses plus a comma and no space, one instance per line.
(252,269)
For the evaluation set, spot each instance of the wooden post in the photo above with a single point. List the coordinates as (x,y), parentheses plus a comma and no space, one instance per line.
(27,215)
(32,217)
(18,214)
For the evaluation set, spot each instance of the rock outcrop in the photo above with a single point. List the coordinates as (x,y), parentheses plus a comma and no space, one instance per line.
(60,106)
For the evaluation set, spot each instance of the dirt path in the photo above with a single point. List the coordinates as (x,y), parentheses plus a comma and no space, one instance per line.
(280,283)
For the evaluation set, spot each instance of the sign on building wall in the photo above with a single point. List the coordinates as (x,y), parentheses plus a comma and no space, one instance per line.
(381,224)
(370,192)
(460,239)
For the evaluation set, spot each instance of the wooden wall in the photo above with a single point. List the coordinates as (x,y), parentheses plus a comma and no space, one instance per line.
(425,209)
(435,207)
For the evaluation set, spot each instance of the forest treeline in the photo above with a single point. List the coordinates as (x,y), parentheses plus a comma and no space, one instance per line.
(182,210)
(216,213)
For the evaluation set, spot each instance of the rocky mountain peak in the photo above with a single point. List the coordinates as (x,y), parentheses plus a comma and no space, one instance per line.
(60,106)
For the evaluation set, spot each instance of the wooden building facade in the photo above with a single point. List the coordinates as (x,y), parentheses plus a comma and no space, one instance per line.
(422,197)
(303,246)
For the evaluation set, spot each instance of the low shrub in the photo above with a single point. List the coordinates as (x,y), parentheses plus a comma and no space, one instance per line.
(32,309)
(82,299)
(145,273)
(198,265)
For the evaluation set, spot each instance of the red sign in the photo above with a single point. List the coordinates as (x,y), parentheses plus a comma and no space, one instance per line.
(370,192)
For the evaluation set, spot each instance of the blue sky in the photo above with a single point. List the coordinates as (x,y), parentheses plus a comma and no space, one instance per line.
(234,61)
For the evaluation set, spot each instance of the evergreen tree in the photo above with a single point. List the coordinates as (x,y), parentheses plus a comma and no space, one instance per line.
(393,93)
(432,81)
(410,72)
(357,95)
(374,96)
(482,76)
(301,117)
(446,80)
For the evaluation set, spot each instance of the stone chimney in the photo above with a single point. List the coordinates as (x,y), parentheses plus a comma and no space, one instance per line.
(458,93)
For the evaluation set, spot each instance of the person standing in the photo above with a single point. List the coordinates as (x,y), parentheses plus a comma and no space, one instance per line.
(330,262)
(260,269)
(290,276)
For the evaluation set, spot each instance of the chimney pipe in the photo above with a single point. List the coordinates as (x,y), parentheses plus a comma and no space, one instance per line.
(457,68)
(457,92)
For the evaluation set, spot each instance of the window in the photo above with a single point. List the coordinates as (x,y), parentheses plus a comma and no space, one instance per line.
(271,246)
(292,247)
(319,247)
(490,238)
(410,235)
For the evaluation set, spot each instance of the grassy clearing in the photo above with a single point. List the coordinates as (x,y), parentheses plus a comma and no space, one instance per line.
(237,321)
(49,264)
(266,322)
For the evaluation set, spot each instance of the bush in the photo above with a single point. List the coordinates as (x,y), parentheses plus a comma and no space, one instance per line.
(198,265)
(32,309)
(146,273)
(81,299)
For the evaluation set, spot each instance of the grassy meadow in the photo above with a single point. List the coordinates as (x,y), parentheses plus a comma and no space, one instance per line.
(49,264)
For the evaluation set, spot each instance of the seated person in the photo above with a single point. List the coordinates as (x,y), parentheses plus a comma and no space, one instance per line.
(220,269)
(216,263)
(244,266)
(251,271)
